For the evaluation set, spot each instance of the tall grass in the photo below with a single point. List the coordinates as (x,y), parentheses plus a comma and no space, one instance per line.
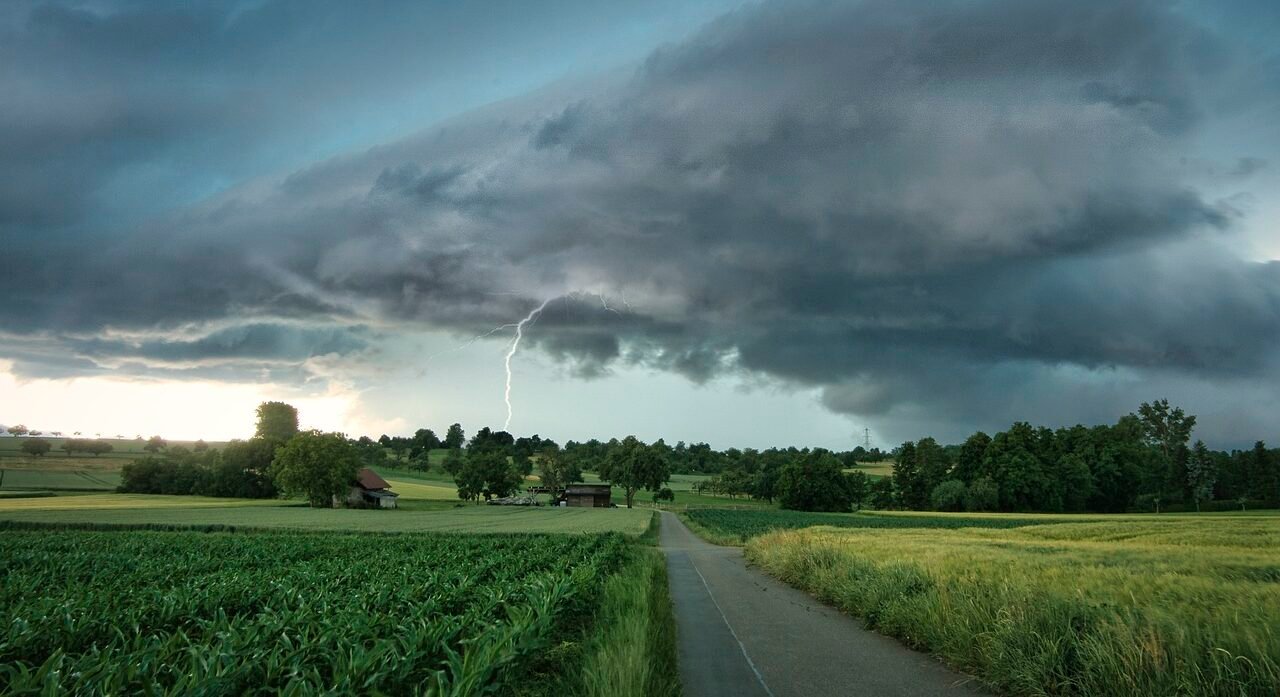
(634,654)
(1108,608)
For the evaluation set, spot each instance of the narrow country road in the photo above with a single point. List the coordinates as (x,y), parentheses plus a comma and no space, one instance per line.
(743,633)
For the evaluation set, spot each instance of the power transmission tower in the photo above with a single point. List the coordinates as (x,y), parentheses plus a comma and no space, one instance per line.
(866,439)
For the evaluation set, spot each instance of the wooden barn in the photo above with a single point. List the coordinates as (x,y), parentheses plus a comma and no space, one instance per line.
(371,490)
(588,495)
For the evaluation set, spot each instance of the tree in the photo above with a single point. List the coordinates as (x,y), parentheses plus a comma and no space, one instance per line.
(1166,429)
(664,494)
(859,486)
(557,471)
(969,463)
(1264,477)
(277,422)
(814,482)
(487,472)
(18,430)
(453,461)
(948,496)
(424,441)
(317,466)
(155,444)
(488,438)
(883,496)
(243,470)
(633,466)
(1201,473)
(454,437)
(982,495)
(36,447)
(906,477)
(1076,483)
(200,446)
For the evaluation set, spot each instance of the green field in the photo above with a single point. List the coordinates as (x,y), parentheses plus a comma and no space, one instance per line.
(874,470)
(219,613)
(121,448)
(735,527)
(64,479)
(424,516)
(459,598)
(1090,605)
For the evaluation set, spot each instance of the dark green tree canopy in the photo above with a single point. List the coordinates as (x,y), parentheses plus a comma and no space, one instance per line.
(814,482)
(486,472)
(633,466)
(277,422)
(454,437)
(317,466)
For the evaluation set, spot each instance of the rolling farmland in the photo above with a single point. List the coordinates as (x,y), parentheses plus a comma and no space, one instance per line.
(232,613)
(1095,606)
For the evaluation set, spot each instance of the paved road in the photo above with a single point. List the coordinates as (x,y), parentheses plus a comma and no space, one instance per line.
(744,634)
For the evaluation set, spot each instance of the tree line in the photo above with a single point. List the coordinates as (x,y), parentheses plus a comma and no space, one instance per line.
(240,469)
(1143,462)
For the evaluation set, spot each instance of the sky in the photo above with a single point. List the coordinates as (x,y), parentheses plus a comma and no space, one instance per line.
(752,224)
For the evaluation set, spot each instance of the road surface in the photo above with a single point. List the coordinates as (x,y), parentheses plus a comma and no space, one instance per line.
(742,633)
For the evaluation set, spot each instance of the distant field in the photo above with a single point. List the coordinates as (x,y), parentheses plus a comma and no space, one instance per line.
(126,449)
(416,516)
(875,470)
(1130,605)
(59,472)
(735,527)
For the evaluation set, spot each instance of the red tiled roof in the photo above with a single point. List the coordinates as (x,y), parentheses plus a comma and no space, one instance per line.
(368,479)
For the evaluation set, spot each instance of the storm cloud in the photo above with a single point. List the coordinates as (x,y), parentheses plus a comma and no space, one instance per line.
(944,215)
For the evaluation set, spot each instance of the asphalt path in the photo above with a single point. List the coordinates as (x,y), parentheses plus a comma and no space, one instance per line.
(745,634)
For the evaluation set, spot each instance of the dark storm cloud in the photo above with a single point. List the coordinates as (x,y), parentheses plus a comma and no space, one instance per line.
(929,210)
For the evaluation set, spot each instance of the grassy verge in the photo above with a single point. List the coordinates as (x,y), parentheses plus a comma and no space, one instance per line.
(633,651)
(626,646)
(1092,608)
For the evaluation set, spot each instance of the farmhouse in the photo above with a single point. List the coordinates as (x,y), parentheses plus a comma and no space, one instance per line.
(371,490)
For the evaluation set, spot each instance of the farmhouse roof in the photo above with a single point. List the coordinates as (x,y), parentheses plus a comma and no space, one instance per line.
(368,479)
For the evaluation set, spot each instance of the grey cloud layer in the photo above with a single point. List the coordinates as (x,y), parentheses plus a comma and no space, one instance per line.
(929,210)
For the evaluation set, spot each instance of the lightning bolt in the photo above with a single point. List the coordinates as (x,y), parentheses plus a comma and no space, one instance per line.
(511,351)
(520,326)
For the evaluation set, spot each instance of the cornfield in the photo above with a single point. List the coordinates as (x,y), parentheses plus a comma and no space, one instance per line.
(297,613)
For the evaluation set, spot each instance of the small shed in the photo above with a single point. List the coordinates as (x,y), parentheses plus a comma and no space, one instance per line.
(588,495)
(371,490)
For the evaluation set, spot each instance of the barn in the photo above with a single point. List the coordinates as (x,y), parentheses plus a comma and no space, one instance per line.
(371,490)
(588,495)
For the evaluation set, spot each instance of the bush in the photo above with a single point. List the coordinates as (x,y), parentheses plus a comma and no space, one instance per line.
(948,496)
(982,495)
(36,446)
(237,472)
